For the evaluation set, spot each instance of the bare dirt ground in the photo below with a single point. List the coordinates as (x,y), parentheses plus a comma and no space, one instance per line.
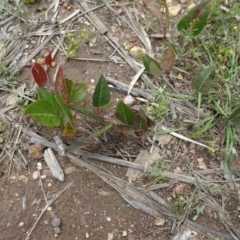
(94,204)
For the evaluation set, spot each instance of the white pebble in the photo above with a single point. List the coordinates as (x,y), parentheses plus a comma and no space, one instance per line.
(49,208)
(92,80)
(35,175)
(43,176)
(109,219)
(21,224)
(110,236)
(87,235)
(39,166)
(124,233)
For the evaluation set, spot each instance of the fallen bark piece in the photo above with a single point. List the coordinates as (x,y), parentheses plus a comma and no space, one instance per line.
(53,164)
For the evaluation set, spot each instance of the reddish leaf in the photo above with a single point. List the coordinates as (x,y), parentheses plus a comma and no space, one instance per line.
(60,84)
(39,74)
(48,59)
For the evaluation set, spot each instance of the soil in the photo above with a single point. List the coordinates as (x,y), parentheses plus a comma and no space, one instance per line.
(90,208)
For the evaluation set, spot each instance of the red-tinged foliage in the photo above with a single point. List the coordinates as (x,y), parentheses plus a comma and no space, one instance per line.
(48,59)
(39,74)
(68,131)
(60,84)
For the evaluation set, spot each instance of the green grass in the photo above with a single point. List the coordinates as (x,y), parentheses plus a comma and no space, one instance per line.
(210,62)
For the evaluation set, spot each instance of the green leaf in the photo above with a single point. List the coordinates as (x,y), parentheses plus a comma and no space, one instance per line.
(234,117)
(65,109)
(102,130)
(69,84)
(76,145)
(87,112)
(44,94)
(124,114)
(204,80)
(101,95)
(152,66)
(76,92)
(195,20)
(44,113)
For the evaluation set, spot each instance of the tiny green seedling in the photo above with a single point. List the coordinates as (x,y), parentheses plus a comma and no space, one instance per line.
(199,210)
(73,42)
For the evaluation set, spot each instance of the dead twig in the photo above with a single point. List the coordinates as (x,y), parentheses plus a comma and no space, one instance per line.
(45,208)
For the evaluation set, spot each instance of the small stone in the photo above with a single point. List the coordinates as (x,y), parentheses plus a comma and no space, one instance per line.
(174,10)
(57,230)
(53,64)
(87,235)
(69,8)
(40,61)
(137,51)
(191,6)
(35,175)
(35,151)
(178,170)
(124,233)
(201,164)
(39,166)
(49,209)
(45,222)
(120,11)
(56,222)
(181,189)
(110,236)
(159,222)
(129,100)
(109,219)
(43,176)
(21,224)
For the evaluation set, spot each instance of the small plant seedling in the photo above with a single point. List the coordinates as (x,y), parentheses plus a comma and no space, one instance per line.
(199,210)
(54,109)
(73,43)
(157,170)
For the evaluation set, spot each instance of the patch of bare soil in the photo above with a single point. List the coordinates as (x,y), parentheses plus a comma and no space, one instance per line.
(98,202)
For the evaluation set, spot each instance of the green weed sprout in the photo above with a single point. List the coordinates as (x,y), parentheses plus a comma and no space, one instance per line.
(74,43)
